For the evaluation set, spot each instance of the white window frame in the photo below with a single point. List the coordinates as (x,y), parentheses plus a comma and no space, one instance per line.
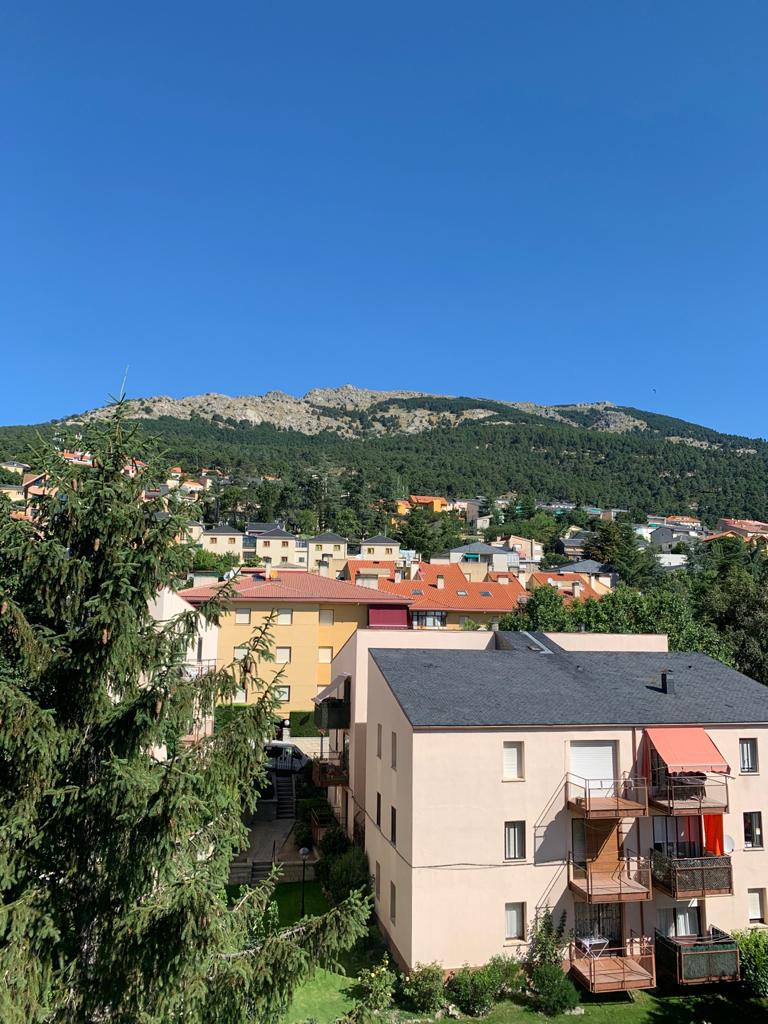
(240,653)
(282,655)
(284,617)
(242,616)
(520,936)
(757,831)
(283,693)
(325,655)
(505,773)
(759,895)
(748,744)
(514,839)
(326,616)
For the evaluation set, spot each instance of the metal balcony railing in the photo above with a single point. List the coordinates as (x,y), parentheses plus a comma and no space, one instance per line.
(691,877)
(690,793)
(331,770)
(606,798)
(602,966)
(698,959)
(629,880)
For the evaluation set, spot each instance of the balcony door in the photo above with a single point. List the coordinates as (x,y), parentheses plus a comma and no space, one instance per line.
(679,920)
(599,921)
(678,836)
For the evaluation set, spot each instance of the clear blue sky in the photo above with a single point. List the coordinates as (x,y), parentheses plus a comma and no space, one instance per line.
(555,202)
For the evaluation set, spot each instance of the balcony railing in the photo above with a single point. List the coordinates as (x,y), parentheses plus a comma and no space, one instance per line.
(332,713)
(691,793)
(698,959)
(628,881)
(606,798)
(691,877)
(604,967)
(331,770)
(200,667)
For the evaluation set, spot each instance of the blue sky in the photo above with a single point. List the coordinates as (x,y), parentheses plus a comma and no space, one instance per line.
(551,202)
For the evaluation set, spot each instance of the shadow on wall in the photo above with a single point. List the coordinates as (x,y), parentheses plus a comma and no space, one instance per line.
(550,830)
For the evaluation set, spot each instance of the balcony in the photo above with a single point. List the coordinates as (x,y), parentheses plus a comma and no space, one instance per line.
(330,770)
(601,967)
(628,881)
(606,798)
(332,713)
(691,793)
(698,959)
(691,877)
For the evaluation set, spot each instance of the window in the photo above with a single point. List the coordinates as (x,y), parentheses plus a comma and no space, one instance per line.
(753,830)
(377,881)
(267,543)
(485,593)
(243,616)
(378,809)
(748,756)
(378,740)
(513,761)
(392,902)
(285,617)
(232,540)
(240,696)
(284,560)
(678,836)
(318,547)
(240,653)
(514,840)
(461,593)
(283,655)
(213,540)
(514,915)
(284,543)
(387,551)
(326,616)
(283,694)
(682,919)
(429,620)
(337,547)
(756,906)
(325,655)
(394,750)
(369,551)
(393,825)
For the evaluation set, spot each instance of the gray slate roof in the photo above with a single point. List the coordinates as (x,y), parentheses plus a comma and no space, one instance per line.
(479,548)
(327,538)
(379,539)
(583,565)
(525,687)
(223,529)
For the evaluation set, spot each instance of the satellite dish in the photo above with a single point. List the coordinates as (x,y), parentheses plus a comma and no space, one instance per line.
(728,844)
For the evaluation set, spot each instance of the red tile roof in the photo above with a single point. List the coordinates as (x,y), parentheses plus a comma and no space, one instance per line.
(567,578)
(457,594)
(752,525)
(292,587)
(719,536)
(426,499)
(356,565)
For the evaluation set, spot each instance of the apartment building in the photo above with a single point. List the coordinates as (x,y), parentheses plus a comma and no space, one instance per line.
(222,540)
(621,787)
(379,547)
(314,617)
(572,586)
(327,553)
(478,559)
(277,547)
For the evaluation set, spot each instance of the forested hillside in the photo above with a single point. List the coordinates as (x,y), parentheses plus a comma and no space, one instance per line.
(633,459)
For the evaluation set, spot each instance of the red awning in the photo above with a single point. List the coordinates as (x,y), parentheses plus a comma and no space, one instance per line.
(388,617)
(688,749)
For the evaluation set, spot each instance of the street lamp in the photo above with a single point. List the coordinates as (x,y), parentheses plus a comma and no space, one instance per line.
(303,853)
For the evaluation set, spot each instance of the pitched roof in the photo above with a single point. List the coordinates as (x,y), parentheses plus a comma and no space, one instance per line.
(456,594)
(752,525)
(360,565)
(327,538)
(520,687)
(277,533)
(260,527)
(479,548)
(719,536)
(564,582)
(588,565)
(222,528)
(292,586)
(380,539)
(425,499)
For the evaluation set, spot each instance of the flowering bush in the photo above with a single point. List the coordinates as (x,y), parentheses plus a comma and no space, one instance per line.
(422,989)
(377,985)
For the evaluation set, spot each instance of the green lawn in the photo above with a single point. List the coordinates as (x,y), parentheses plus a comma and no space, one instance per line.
(288,899)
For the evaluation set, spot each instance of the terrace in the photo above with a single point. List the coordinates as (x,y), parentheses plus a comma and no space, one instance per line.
(692,877)
(698,959)
(600,967)
(606,798)
(627,881)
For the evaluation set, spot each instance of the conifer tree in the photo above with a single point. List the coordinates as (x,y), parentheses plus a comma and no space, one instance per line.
(115,839)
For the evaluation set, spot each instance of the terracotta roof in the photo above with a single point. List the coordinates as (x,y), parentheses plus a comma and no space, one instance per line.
(566,591)
(754,525)
(718,536)
(425,499)
(458,596)
(356,565)
(494,577)
(682,519)
(293,587)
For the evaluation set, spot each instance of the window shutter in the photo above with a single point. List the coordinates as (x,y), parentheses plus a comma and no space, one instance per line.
(514,924)
(512,761)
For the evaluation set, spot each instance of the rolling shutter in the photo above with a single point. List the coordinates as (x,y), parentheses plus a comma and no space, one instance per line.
(594,761)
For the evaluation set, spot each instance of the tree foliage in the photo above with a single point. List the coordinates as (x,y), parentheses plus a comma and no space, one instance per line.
(114,854)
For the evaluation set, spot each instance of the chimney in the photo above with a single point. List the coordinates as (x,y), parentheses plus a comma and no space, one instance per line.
(398,574)
(323,569)
(504,581)
(576,589)
(667,681)
(440,582)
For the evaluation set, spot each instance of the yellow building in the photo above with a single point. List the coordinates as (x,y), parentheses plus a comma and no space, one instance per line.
(314,617)
(327,552)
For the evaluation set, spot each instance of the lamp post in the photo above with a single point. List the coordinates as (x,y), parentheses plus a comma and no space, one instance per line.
(303,853)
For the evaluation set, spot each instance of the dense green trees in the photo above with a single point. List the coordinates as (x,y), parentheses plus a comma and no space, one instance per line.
(429,532)
(114,856)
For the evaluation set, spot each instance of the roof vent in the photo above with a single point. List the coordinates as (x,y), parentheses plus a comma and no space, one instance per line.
(667,681)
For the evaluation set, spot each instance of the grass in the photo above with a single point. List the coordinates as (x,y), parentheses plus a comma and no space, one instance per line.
(288,899)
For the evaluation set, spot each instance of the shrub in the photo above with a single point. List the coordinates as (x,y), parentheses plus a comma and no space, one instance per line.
(309,804)
(347,872)
(333,842)
(377,985)
(422,989)
(753,953)
(506,975)
(546,941)
(472,991)
(302,834)
(554,992)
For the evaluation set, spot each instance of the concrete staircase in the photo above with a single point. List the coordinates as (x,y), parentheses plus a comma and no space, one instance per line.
(259,871)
